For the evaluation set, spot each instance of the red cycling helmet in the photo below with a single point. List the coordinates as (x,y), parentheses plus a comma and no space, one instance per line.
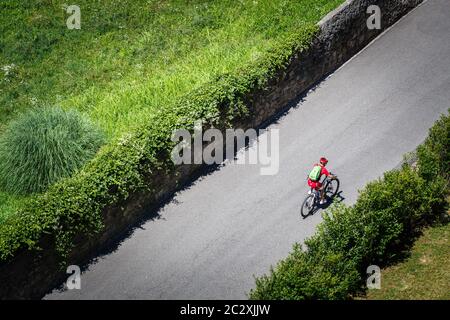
(323,160)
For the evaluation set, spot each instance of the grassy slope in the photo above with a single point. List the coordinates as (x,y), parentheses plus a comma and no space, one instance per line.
(131,57)
(424,275)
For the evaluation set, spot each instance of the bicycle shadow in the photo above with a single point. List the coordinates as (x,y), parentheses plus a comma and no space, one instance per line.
(330,200)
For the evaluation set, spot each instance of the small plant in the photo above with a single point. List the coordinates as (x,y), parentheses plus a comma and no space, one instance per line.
(43,146)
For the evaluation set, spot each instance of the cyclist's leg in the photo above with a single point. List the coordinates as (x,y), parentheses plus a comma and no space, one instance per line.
(312,186)
(321,191)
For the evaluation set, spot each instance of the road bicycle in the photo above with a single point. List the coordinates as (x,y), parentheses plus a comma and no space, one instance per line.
(312,200)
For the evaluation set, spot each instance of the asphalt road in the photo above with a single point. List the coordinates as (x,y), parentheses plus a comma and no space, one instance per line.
(235,223)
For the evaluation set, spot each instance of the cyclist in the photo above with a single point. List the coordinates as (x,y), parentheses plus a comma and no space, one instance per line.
(314,177)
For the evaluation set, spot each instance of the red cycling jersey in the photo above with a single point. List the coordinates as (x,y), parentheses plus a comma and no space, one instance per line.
(317,184)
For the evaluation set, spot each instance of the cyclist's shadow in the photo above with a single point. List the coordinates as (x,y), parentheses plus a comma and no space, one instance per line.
(337,198)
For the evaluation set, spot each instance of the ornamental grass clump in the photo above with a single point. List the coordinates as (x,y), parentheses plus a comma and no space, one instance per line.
(43,146)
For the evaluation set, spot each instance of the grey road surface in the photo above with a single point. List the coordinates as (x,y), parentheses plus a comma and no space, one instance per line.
(235,223)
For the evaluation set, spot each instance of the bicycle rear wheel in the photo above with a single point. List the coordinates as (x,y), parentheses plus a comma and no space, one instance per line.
(307,206)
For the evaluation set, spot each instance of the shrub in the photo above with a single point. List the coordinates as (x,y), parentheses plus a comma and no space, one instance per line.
(303,276)
(43,146)
(433,154)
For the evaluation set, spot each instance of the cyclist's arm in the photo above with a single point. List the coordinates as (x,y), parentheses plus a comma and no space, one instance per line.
(327,173)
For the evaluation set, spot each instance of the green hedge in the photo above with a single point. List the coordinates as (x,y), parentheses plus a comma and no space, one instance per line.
(434,155)
(74,206)
(381,225)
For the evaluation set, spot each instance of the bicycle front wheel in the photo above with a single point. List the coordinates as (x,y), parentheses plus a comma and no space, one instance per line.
(332,188)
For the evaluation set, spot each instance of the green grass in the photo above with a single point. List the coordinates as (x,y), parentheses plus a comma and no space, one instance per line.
(424,275)
(132,58)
